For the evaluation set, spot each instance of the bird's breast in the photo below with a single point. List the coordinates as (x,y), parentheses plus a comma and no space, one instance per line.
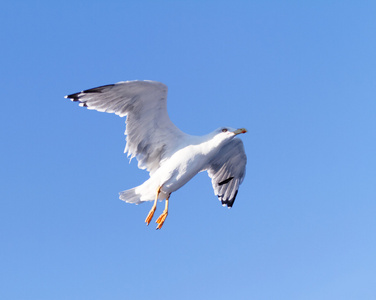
(180,168)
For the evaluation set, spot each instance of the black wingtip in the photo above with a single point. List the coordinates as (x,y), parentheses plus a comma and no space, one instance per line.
(228,202)
(73,97)
(76,96)
(98,89)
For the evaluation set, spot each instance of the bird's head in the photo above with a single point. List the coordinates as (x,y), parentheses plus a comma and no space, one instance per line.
(230,132)
(224,134)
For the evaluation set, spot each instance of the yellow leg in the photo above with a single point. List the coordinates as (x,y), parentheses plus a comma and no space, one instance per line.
(151,212)
(163,216)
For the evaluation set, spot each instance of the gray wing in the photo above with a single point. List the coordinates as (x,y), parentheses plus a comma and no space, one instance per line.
(227,171)
(151,136)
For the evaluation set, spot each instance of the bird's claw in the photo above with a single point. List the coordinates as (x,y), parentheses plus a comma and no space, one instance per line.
(150,216)
(161,219)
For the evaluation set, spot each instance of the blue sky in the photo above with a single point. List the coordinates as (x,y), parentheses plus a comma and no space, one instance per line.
(300,76)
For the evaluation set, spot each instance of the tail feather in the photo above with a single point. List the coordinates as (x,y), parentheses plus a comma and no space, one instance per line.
(130,196)
(141,193)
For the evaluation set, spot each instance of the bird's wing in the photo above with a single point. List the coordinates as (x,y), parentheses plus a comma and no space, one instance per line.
(151,136)
(227,171)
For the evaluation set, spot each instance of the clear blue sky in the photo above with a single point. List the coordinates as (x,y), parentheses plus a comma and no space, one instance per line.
(299,75)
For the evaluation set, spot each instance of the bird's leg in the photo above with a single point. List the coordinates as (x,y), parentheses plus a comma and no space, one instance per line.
(151,212)
(163,216)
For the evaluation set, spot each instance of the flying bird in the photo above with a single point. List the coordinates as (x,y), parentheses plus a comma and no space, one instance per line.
(171,156)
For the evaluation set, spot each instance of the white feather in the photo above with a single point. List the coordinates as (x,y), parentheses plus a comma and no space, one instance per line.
(171,156)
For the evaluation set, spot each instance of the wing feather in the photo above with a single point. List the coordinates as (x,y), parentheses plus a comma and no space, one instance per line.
(227,171)
(151,136)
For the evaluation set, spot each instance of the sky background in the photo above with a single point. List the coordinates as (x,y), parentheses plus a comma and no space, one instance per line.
(299,75)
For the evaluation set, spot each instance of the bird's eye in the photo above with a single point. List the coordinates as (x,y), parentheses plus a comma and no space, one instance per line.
(224,130)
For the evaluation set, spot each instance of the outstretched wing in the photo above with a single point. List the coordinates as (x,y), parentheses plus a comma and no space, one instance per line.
(227,171)
(151,136)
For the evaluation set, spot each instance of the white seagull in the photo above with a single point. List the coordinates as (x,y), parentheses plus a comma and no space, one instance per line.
(171,156)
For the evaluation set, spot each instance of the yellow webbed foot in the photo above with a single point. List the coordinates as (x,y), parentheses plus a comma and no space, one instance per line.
(152,211)
(150,215)
(161,219)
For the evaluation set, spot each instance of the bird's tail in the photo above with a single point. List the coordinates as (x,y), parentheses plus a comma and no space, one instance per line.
(142,193)
(130,196)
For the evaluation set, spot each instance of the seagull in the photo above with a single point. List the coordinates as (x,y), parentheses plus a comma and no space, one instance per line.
(171,156)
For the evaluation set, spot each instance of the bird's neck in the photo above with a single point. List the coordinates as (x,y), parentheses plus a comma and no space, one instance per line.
(211,146)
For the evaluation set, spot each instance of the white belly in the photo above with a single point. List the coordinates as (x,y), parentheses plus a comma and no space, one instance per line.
(179,169)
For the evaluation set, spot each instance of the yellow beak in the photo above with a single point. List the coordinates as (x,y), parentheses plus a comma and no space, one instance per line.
(240,130)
